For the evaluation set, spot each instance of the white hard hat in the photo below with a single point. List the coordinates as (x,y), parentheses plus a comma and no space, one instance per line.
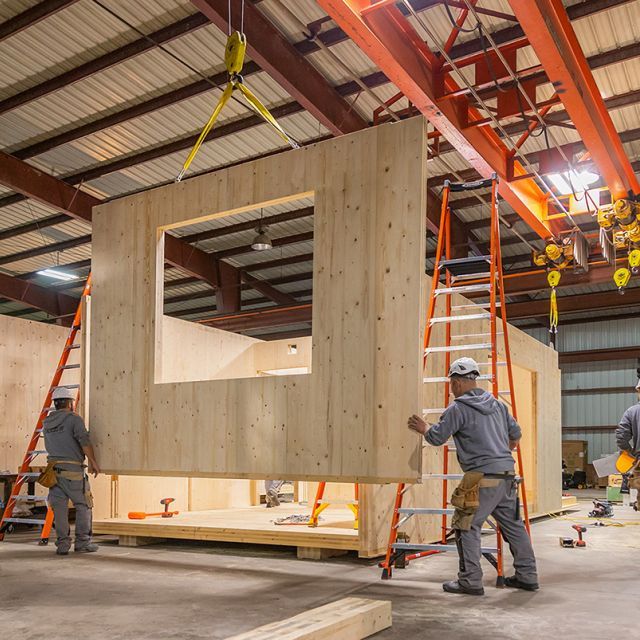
(464,367)
(62,393)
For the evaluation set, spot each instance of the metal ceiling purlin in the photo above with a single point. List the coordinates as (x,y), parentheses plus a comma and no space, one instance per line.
(386,36)
(549,30)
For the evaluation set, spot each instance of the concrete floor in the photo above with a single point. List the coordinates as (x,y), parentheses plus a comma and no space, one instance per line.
(192,591)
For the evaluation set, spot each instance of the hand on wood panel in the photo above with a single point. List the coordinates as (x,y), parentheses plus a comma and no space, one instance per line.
(416,423)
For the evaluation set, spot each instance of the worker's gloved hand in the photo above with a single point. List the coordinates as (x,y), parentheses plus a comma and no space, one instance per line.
(416,423)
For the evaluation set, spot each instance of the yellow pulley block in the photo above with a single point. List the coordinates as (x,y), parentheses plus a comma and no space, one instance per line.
(621,277)
(234,53)
(634,259)
(553,278)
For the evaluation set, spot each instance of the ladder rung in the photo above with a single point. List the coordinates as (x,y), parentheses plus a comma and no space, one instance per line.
(504,392)
(464,336)
(24,520)
(69,366)
(72,346)
(38,430)
(484,376)
(436,547)
(459,347)
(426,511)
(29,496)
(67,386)
(331,502)
(470,316)
(472,276)
(442,476)
(488,364)
(467,288)
(37,452)
(29,474)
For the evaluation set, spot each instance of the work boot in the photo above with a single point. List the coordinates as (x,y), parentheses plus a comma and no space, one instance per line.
(90,548)
(514,583)
(62,551)
(455,587)
(272,499)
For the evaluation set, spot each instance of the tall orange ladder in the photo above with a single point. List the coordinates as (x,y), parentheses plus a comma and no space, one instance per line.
(25,474)
(474,274)
(320,504)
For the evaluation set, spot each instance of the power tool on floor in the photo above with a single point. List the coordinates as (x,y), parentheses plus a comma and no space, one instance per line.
(601,509)
(570,543)
(141,515)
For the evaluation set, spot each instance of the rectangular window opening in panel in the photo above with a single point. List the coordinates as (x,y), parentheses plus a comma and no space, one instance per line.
(251,317)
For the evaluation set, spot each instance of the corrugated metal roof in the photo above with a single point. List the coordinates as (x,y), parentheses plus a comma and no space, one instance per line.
(84,31)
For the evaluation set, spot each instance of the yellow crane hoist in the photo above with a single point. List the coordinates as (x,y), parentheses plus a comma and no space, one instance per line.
(555,257)
(622,222)
(234,54)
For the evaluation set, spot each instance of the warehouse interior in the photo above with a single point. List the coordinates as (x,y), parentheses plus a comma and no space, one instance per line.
(247,240)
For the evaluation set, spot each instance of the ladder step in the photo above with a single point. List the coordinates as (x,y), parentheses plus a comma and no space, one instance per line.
(331,502)
(25,520)
(470,316)
(442,476)
(69,366)
(29,474)
(464,336)
(425,511)
(29,496)
(484,376)
(465,266)
(467,288)
(72,346)
(475,275)
(459,347)
(37,452)
(67,386)
(436,547)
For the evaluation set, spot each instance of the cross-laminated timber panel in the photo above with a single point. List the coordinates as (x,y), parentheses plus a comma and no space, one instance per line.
(344,420)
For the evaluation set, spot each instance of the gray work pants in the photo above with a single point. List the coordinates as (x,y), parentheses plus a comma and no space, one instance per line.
(79,492)
(273,485)
(499,501)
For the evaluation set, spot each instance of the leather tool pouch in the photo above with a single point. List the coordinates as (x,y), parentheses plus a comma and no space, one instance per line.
(466,500)
(48,477)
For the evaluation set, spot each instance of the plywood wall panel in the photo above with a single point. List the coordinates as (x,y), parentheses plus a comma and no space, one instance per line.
(342,421)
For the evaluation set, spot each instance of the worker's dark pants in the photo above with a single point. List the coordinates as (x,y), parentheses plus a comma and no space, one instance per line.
(79,492)
(500,502)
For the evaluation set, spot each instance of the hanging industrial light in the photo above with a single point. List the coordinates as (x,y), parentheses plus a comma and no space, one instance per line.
(261,241)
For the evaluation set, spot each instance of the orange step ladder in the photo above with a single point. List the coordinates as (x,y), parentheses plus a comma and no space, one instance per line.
(320,504)
(25,475)
(472,274)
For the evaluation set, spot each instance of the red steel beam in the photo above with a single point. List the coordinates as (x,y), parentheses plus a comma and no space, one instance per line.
(391,42)
(549,30)
(33,295)
(599,355)
(271,317)
(278,57)
(31,16)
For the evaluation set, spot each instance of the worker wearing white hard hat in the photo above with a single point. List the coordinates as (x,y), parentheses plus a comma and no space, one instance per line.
(67,442)
(484,434)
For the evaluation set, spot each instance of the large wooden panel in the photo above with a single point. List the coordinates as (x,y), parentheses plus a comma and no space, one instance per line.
(344,420)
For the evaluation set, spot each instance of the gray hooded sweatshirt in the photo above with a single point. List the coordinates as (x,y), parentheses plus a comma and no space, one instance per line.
(628,431)
(64,436)
(481,428)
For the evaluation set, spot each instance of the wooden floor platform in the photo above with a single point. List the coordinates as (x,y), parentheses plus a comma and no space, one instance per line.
(253,525)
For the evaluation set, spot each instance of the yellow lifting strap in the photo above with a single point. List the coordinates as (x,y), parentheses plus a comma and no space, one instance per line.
(553,278)
(234,53)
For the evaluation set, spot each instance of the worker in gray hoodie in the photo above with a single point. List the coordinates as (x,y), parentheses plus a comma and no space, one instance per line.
(66,440)
(484,434)
(628,431)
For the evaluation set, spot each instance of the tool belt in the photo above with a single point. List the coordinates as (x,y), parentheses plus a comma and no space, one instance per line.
(466,496)
(49,477)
